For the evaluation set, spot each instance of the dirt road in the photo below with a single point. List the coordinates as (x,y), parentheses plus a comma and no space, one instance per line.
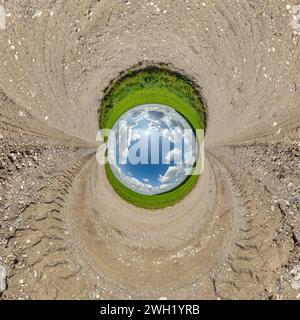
(64,232)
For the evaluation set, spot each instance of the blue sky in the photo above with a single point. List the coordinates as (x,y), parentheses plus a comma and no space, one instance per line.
(141,125)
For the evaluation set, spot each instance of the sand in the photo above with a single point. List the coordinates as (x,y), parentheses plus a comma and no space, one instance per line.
(64,232)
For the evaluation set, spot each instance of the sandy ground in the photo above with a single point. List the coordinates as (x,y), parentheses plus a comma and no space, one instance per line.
(64,233)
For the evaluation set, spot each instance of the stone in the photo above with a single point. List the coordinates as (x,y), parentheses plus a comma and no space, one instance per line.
(2,279)
(13,157)
(296,200)
(296,277)
(2,164)
(296,283)
(292,87)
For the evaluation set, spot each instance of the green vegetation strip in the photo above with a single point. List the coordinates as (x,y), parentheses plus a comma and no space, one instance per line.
(152,85)
(154,201)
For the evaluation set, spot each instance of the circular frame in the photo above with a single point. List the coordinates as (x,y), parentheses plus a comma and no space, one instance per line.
(157,85)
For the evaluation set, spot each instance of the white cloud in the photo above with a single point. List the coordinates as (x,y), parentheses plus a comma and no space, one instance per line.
(172,173)
(135,135)
(174,155)
(167,134)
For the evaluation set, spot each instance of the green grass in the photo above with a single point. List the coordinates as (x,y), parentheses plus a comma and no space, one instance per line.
(152,85)
(154,201)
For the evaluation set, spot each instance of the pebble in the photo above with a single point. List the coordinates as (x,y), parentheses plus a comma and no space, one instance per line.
(37,14)
(296,277)
(2,164)
(292,87)
(295,200)
(13,157)
(2,279)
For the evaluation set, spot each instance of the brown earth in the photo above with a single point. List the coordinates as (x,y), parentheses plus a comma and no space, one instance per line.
(64,232)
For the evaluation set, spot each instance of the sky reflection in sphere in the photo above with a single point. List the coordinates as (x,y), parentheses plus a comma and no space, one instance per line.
(159,152)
